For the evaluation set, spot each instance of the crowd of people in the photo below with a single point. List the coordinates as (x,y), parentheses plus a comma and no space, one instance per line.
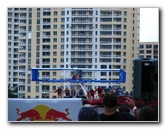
(115,112)
(99,91)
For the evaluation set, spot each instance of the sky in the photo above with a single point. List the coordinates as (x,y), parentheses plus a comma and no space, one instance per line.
(149,24)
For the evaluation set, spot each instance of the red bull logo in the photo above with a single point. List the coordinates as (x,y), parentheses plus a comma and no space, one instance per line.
(43,113)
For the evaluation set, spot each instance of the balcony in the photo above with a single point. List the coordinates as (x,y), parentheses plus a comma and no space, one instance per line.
(82,15)
(79,42)
(82,35)
(82,22)
(81,28)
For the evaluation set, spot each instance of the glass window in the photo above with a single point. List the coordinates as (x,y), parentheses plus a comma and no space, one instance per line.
(148,51)
(141,46)
(30,15)
(37,88)
(29,89)
(125,13)
(148,46)
(55,19)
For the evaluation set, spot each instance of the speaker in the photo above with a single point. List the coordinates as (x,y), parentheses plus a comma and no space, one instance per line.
(145,79)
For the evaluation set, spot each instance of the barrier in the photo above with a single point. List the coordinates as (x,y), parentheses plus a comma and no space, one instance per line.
(45,110)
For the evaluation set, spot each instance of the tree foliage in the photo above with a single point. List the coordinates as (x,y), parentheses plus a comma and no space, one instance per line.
(12,92)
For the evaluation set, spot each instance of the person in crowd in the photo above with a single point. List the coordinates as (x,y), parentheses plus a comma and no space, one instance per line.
(123,108)
(88,113)
(130,103)
(126,93)
(91,93)
(67,92)
(110,103)
(131,92)
(81,92)
(100,91)
(59,90)
(147,113)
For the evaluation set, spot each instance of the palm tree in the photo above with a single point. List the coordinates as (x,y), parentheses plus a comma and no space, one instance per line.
(12,92)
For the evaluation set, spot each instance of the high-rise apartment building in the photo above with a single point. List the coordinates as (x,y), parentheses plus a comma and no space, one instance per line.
(148,50)
(101,38)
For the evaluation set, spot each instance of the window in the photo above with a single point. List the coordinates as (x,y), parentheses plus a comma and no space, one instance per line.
(55,33)
(62,60)
(124,47)
(29,54)
(53,88)
(62,53)
(62,33)
(55,26)
(54,73)
(38,41)
(141,46)
(148,51)
(124,53)
(55,40)
(30,21)
(124,40)
(125,13)
(103,66)
(55,13)
(62,40)
(38,27)
(28,97)
(29,89)
(37,61)
(103,74)
(55,19)
(62,27)
(141,51)
(124,60)
(124,27)
(38,34)
(148,56)
(125,19)
(29,48)
(124,33)
(148,46)
(62,46)
(54,60)
(37,88)
(124,67)
(54,46)
(54,53)
(37,54)
(62,19)
(38,21)
(37,97)
(30,15)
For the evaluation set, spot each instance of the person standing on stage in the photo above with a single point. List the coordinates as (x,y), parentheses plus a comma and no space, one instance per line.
(67,92)
(100,91)
(59,90)
(91,93)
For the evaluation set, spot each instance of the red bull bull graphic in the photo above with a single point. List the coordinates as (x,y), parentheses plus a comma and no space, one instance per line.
(31,114)
(43,113)
(54,115)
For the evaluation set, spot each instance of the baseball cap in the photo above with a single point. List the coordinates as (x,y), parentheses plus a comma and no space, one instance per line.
(88,113)
(110,99)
